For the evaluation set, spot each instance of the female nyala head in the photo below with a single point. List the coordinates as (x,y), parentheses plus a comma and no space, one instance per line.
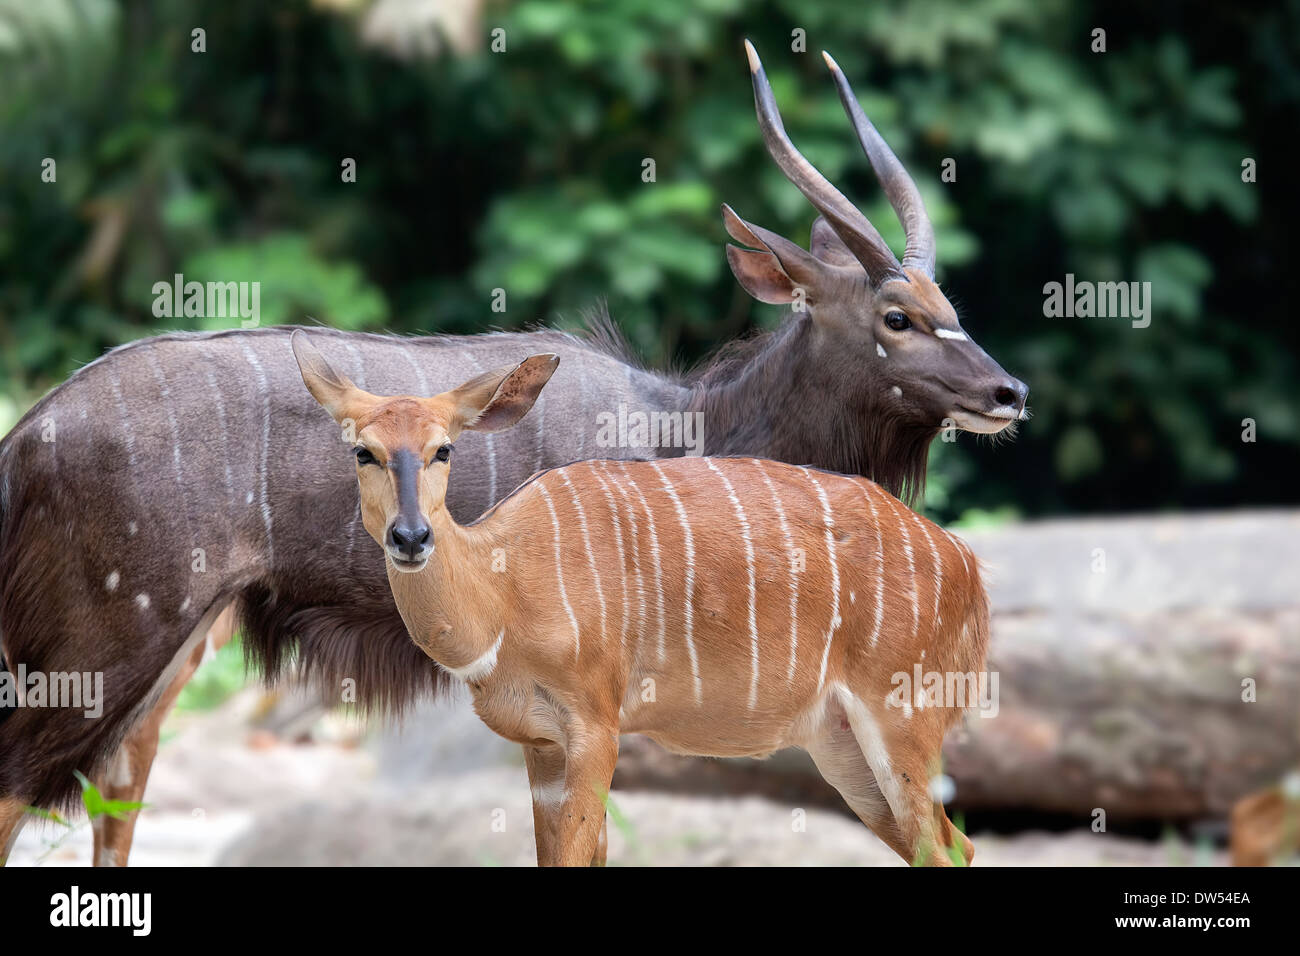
(404,444)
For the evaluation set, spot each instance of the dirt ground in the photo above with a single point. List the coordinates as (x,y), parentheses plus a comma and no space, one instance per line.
(327,792)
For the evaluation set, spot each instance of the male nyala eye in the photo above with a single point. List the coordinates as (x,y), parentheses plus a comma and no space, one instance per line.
(443,453)
(897,321)
(364,457)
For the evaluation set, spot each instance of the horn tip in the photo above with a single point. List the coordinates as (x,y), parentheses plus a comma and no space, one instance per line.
(830,61)
(754,63)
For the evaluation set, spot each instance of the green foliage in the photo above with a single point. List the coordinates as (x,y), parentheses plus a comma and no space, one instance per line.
(523,171)
(215,680)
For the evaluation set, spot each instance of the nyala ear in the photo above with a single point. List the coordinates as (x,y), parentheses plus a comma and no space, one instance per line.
(830,248)
(334,390)
(496,400)
(774,268)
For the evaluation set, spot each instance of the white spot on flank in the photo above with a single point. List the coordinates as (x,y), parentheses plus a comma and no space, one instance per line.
(749,562)
(835,575)
(559,570)
(793,579)
(142,601)
(949,334)
(110,582)
(880,350)
(480,667)
(689,612)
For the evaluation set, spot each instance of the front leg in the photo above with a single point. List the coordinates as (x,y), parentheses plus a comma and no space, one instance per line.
(580,834)
(546,782)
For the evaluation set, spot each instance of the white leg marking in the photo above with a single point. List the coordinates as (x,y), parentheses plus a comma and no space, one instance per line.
(559,571)
(747,537)
(480,667)
(689,611)
(591,555)
(788,539)
(872,742)
(835,575)
(120,773)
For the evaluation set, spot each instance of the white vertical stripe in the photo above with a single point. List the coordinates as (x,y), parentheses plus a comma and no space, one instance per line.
(359,363)
(636,554)
(491,445)
(622,554)
(128,432)
(829,523)
(689,611)
(591,555)
(264,501)
(895,507)
(867,489)
(654,556)
(753,589)
(221,421)
(788,539)
(559,571)
(938,564)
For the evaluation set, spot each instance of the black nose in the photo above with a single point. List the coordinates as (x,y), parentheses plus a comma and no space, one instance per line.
(1012,392)
(409,539)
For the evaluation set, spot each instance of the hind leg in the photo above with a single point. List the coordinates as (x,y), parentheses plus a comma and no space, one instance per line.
(128,772)
(840,761)
(13,814)
(902,760)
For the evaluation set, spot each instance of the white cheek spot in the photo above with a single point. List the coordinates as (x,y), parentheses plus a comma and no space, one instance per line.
(248,500)
(185,605)
(950,334)
(880,350)
(132,528)
(142,601)
(110,582)
(898,392)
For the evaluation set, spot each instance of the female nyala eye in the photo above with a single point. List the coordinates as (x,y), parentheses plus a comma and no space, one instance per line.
(364,457)
(443,453)
(897,321)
